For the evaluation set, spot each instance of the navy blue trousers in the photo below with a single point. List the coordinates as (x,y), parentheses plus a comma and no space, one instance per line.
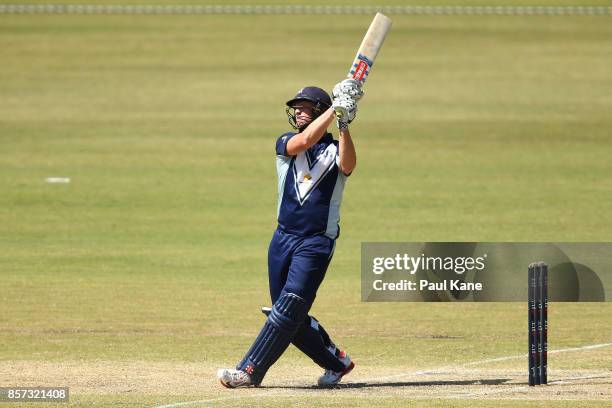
(298,265)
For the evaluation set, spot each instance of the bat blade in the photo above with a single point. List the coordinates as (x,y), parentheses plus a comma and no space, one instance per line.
(368,50)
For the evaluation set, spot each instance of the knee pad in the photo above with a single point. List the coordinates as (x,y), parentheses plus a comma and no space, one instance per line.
(288,313)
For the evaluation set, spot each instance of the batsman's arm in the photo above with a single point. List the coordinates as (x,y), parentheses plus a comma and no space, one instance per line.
(311,134)
(348,156)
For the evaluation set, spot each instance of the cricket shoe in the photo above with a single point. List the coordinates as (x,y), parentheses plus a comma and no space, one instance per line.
(333,377)
(231,378)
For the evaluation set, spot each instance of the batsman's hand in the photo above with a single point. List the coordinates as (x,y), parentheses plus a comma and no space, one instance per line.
(346,110)
(349,87)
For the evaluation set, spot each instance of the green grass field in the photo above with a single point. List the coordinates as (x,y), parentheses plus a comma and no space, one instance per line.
(327,3)
(134,282)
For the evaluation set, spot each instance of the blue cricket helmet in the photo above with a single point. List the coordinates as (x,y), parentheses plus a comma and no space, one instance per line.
(316,95)
(312,94)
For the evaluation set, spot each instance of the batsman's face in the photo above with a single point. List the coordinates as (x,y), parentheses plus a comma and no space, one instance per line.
(304,113)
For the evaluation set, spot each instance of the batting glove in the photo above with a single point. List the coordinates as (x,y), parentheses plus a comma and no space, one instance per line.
(346,110)
(349,87)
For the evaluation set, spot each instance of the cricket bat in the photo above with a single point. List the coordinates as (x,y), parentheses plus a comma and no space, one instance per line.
(368,50)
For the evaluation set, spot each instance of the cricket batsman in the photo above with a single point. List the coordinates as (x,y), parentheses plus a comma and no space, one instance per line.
(312,170)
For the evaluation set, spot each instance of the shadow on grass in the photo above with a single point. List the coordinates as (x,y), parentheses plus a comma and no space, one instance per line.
(495,381)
